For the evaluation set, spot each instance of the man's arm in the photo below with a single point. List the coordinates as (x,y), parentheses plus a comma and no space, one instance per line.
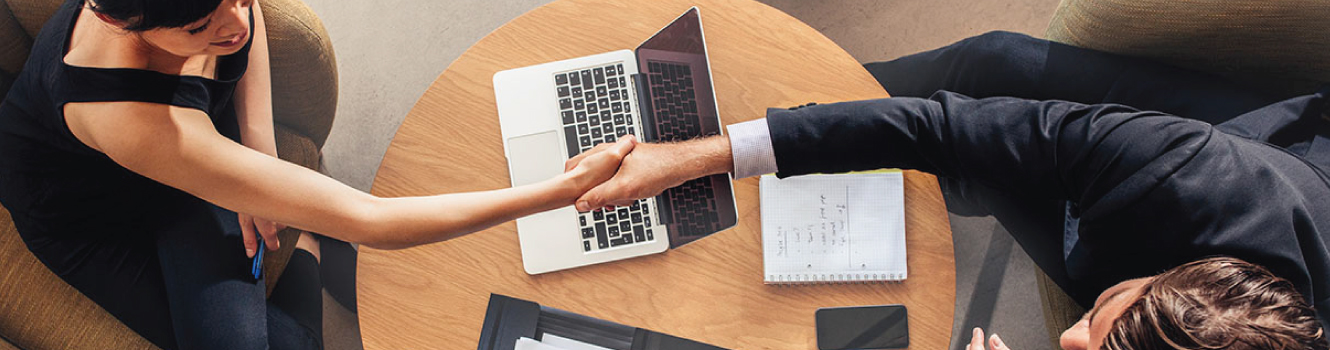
(1049,149)
(1045,149)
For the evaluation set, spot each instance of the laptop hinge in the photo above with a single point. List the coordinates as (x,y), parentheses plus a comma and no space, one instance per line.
(644,107)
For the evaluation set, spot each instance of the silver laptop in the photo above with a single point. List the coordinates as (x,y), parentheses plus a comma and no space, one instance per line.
(660,92)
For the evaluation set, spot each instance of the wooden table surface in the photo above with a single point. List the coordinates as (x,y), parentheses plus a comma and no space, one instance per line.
(434,297)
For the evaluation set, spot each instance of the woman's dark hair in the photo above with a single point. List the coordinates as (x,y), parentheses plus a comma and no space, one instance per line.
(143,15)
(1218,303)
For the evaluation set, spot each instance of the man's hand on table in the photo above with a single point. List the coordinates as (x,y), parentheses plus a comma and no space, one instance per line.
(977,341)
(653,167)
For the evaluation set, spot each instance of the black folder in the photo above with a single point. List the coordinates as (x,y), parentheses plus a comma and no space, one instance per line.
(508,318)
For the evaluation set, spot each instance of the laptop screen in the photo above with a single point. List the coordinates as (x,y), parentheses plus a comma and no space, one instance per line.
(682,36)
(679,104)
(677,78)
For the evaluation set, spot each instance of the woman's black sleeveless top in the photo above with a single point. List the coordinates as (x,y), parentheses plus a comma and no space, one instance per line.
(52,184)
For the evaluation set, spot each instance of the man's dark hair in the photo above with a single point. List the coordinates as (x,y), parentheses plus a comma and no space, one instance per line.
(1218,303)
(143,15)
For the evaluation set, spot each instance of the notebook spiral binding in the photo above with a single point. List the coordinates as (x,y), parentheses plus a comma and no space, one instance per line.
(834,278)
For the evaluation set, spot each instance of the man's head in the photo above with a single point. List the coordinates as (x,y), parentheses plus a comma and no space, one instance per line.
(1215,303)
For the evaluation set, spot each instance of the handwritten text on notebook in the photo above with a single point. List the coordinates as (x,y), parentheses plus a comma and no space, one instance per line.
(832,228)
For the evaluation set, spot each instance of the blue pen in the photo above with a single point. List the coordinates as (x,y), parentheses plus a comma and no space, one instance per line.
(257,270)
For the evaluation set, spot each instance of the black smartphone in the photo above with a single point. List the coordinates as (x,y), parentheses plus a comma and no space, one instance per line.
(862,327)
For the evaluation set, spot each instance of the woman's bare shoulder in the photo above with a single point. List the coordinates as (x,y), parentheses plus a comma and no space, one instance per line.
(94,123)
(94,44)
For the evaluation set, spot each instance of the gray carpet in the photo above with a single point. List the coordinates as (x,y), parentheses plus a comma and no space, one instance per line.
(389,51)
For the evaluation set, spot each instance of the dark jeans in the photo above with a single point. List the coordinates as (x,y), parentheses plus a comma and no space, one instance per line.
(180,278)
(1016,65)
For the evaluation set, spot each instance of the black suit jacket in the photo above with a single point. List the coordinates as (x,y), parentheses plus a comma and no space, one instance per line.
(1153,191)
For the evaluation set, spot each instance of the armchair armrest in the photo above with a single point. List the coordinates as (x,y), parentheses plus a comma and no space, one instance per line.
(1279,46)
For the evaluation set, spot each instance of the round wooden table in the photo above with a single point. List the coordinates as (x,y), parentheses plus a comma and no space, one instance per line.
(711,291)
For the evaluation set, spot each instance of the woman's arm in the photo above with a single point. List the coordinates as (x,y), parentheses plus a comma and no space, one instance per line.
(253,99)
(254,93)
(179,147)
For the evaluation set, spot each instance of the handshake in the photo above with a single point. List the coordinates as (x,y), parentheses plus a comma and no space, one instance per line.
(616,174)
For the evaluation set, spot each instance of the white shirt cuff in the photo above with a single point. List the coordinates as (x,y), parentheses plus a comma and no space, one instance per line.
(750,144)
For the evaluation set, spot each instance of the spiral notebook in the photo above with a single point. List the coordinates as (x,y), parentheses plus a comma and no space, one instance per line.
(841,228)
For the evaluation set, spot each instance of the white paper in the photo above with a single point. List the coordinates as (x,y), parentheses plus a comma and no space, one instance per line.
(833,228)
(531,344)
(569,344)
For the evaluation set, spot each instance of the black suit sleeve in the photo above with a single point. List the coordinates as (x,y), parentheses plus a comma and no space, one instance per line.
(1049,149)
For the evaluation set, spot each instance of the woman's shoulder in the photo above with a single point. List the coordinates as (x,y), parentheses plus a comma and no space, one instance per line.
(89,121)
(92,45)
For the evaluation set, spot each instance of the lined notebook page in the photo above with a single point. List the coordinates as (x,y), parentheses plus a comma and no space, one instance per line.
(833,228)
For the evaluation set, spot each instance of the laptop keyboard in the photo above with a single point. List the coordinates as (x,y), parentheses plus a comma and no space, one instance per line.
(675,105)
(603,229)
(595,108)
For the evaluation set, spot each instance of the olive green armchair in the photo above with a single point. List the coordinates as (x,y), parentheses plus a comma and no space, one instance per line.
(40,311)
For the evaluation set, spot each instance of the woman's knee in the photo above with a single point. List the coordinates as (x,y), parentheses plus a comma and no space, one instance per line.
(244,328)
(212,313)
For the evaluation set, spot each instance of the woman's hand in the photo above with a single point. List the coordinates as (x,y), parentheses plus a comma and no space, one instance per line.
(249,225)
(598,164)
(977,341)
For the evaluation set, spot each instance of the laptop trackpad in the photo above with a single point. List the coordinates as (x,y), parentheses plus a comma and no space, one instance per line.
(536,157)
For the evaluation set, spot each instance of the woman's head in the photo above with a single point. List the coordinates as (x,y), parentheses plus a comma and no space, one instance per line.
(181,27)
(1215,303)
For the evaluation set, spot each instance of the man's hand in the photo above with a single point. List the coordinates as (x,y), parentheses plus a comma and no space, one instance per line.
(593,167)
(249,225)
(977,341)
(653,167)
